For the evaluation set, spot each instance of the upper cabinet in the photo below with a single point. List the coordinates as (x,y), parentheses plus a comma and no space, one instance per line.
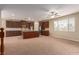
(19,24)
(44,25)
(13,24)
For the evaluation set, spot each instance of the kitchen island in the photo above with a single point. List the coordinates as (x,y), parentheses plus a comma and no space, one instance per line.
(30,34)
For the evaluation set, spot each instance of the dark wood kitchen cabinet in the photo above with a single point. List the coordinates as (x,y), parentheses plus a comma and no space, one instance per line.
(30,34)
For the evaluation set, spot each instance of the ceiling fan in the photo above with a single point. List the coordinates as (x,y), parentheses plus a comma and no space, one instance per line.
(53,14)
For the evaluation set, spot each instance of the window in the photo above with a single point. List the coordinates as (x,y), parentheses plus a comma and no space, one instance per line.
(55,25)
(71,24)
(63,25)
(66,24)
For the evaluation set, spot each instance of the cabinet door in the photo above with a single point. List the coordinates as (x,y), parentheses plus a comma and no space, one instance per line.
(13,24)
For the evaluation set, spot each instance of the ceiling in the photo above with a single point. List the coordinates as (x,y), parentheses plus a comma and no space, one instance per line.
(36,11)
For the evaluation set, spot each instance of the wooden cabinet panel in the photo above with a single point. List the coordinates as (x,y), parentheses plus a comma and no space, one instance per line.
(13,24)
(46,33)
(13,33)
(44,24)
(31,34)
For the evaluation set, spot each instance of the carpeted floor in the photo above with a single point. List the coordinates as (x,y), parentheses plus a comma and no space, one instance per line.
(40,46)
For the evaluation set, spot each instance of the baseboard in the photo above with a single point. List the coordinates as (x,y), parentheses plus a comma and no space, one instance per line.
(65,38)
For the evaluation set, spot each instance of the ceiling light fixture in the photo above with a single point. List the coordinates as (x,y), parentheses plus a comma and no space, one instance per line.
(53,14)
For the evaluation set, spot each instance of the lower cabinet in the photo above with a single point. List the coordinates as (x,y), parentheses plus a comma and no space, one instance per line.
(45,33)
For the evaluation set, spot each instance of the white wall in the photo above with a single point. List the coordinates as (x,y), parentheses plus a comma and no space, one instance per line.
(66,35)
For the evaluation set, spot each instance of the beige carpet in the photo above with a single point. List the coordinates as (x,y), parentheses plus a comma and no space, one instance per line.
(40,46)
